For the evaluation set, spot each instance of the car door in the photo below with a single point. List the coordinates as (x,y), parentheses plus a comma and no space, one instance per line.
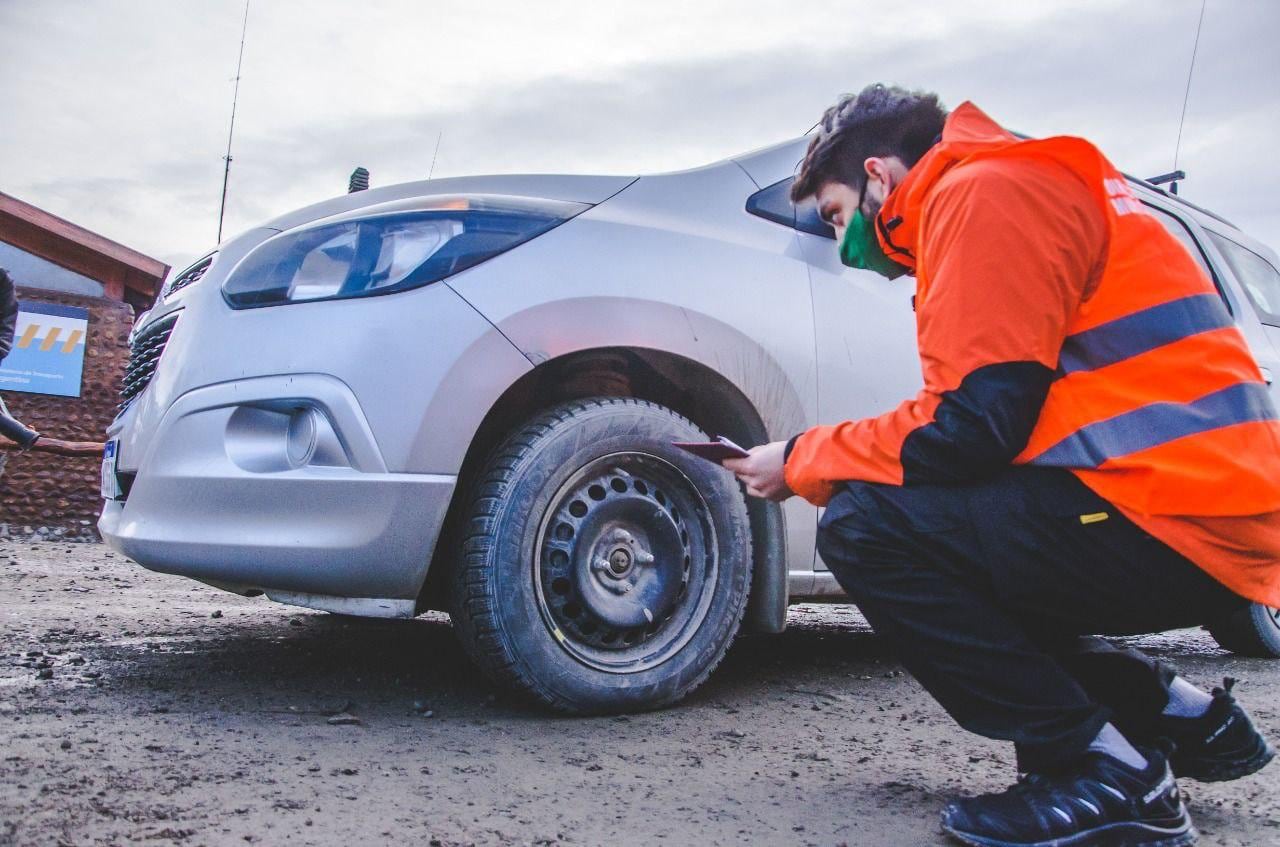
(865,337)
(864,329)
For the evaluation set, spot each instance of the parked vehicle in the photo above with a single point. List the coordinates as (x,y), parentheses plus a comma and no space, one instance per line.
(461,394)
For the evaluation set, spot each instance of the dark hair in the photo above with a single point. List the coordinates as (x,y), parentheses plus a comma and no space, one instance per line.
(880,120)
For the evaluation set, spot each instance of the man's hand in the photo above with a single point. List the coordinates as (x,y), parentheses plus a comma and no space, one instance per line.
(761,472)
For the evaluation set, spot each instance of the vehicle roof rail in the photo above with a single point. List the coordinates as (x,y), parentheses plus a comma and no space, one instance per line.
(1171,177)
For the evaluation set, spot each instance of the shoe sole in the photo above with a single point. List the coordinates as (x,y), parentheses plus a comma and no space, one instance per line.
(1226,771)
(1111,835)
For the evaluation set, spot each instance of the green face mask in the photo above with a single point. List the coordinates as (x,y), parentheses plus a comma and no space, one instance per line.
(861,249)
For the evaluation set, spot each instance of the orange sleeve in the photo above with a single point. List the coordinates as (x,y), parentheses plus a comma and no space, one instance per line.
(1008,248)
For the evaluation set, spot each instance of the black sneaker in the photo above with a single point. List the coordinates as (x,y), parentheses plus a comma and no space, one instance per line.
(1219,745)
(1100,801)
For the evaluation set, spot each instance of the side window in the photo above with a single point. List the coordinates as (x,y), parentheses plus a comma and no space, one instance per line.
(1259,279)
(1179,231)
(773,203)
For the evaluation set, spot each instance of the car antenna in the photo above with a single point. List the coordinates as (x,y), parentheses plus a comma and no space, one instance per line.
(439,138)
(1175,174)
(226,171)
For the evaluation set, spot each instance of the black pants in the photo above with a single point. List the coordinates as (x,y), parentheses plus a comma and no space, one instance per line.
(991,593)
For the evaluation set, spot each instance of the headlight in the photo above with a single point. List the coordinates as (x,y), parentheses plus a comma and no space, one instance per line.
(391,247)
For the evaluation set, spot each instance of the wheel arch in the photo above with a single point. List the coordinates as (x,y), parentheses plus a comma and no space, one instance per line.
(684,385)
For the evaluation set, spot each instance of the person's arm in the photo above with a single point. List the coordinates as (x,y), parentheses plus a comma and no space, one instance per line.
(8,313)
(1011,248)
(58,447)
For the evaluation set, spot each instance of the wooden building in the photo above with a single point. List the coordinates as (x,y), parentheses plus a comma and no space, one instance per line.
(60,267)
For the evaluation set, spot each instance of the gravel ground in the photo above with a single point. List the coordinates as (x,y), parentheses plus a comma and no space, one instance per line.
(136,707)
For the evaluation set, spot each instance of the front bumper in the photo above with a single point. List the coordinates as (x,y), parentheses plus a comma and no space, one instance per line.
(218,497)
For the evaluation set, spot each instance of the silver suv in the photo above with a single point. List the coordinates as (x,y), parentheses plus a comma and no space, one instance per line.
(461,394)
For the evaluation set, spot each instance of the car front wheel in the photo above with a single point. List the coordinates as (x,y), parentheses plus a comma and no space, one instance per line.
(602,569)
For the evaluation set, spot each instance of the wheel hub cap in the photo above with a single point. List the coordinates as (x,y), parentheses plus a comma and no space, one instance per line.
(623,541)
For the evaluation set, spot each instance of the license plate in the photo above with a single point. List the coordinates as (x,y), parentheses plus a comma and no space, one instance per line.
(110,485)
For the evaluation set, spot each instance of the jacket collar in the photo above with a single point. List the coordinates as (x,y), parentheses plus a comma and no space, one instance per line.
(967,130)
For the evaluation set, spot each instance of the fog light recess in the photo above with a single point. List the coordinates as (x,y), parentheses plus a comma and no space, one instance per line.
(300,441)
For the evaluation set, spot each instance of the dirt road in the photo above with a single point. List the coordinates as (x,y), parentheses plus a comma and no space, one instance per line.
(138,708)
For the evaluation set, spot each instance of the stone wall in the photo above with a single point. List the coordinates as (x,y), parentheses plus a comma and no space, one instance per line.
(53,496)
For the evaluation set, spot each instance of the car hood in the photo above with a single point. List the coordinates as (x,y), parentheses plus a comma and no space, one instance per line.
(578,189)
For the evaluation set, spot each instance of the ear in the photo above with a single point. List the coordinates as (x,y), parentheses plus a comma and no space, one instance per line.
(876,168)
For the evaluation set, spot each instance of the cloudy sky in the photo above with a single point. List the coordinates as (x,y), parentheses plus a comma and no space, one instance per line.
(113,113)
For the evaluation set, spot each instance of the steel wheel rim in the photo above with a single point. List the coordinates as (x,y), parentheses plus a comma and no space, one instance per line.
(625,519)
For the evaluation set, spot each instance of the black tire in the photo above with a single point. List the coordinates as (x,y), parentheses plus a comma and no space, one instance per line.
(561,520)
(1252,631)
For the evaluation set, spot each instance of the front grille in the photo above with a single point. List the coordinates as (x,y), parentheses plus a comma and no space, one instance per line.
(190,275)
(144,353)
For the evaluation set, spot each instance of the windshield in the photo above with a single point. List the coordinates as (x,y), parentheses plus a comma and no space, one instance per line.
(1258,277)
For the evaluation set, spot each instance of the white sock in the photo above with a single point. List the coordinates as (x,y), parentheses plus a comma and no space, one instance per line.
(1112,743)
(1186,701)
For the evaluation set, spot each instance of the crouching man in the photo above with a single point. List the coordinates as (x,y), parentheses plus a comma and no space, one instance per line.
(1094,451)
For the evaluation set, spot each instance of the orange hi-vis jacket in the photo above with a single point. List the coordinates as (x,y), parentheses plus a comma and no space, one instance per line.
(1060,324)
